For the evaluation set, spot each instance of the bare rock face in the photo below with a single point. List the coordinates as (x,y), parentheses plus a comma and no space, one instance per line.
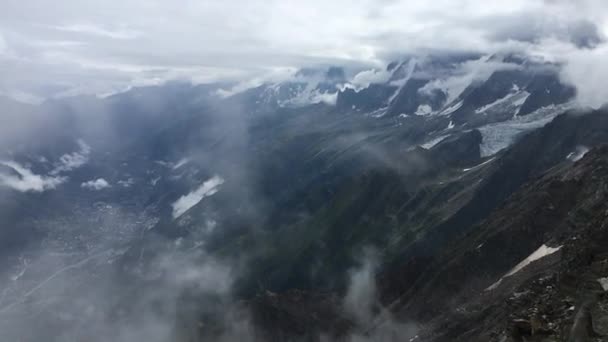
(299,315)
(555,295)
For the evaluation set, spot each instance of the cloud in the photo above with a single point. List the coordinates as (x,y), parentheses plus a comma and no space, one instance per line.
(361,298)
(374,322)
(20,178)
(71,161)
(99,31)
(97,184)
(135,42)
(3,46)
(468,73)
(533,27)
(366,77)
(81,296)
(273,76)
(587,71)
(209,277)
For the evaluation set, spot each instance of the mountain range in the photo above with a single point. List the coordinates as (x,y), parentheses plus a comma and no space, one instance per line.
(446,197)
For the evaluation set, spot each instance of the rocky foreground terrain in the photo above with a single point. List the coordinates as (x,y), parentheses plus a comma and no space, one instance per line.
(533,270)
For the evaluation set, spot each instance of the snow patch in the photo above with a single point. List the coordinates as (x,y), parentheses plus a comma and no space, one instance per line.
(452,108)
(540,253)
(520,102)
(511,102)
(478,166)
(578,153)
(501,101)
(400,83)
(498,136)
(181,163)
(430,144)
(208,188)
(378,113)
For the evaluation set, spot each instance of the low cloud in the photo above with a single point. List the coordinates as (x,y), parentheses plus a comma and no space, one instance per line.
(85,47)
(81,300)
(71,161)
(20,178)
(364,78)
(88,29)
(97,184)
(360,298)
(374,322)
(587,71)
(469,72)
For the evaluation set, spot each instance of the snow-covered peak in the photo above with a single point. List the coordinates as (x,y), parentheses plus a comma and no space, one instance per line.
(294,88)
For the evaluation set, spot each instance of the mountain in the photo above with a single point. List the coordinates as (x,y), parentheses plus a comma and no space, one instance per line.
(555,226)
(335,203)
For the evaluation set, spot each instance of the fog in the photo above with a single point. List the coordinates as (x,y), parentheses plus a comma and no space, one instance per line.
(375,322)
(142,174)
(84,47)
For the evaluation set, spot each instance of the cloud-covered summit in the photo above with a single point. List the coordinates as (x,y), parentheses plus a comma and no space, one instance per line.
(73,47)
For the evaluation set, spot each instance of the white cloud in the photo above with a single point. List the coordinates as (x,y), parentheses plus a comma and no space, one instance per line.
(71,161)
(210,277)
(99,31)
(97,184)
(587,71)
(208,188)
(22,179)
(3,46)
(327,98)
(374,322)
(361,294)
(133,41)
(470,72)
(271,76)
(365,78)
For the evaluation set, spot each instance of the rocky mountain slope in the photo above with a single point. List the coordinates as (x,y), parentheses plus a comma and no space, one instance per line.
(369,205)
(557,226)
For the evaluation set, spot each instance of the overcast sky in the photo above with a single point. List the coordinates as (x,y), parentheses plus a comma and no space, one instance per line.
(72,46)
